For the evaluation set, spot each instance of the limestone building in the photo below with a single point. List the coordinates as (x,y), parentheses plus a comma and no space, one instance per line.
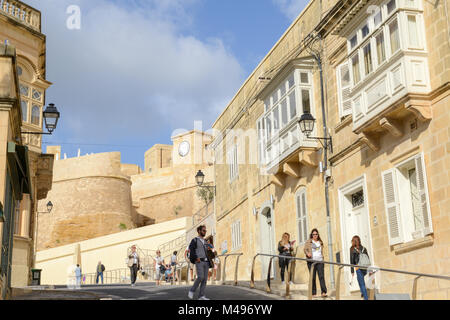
(20,28)
(97,195)
(386,71)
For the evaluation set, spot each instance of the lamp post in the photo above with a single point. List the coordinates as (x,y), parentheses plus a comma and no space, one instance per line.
(51,117)
(200,179)
(49,210)
(307,122)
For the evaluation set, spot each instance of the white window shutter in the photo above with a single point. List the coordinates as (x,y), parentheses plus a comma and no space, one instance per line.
(423,192)
(345,103)
(305,216)
(391,203)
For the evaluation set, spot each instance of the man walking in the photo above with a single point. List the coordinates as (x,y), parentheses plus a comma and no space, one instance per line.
(133,264)
(199,257)
(100,270)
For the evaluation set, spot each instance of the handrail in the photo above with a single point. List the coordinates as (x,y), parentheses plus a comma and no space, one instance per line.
(371,269)
(225,265)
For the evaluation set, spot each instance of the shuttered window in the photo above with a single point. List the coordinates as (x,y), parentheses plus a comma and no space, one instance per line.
(302,216)
(343,80)
(406,201)
(232,160)
(236,240)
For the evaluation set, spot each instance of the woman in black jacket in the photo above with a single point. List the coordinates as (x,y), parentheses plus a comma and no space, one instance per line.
(285,248)
(357,252)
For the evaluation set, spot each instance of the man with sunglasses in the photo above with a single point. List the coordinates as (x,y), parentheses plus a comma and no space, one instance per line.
(199,257)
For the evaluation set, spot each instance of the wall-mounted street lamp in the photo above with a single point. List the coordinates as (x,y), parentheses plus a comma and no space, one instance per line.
(307,122)
(49,207)
(51,117)
(200,179)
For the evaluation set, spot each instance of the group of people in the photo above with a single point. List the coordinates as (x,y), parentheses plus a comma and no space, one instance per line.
(313,250)
(202,254)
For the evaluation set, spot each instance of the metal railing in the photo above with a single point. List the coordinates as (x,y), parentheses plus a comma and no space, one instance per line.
(371,269)
(223,275)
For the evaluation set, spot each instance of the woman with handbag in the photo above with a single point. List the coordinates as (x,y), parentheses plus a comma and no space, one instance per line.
(360,257)
(285,248)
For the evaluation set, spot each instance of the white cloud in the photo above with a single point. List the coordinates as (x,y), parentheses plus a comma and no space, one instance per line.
(291,8)
(133,68)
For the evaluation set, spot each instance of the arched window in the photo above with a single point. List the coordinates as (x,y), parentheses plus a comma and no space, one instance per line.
(36,115)
(24,110)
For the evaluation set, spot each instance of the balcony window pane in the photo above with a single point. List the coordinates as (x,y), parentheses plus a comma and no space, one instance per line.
(381,51)
(412,29)
(378,18)
(367,59)
(37,95)
(24,110)
(24,90)
(365,31)
(35,115)
(355,69)
(304,78)
(291,81)
(282,89)
(391,6)
(284,113)
(353,41)
(275,98)
(306,101)
(276,119)
(267,105)
(269,127)
(394,36)
(292,105)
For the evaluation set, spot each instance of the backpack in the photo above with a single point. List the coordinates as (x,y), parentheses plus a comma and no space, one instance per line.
(364,260)
(103,268)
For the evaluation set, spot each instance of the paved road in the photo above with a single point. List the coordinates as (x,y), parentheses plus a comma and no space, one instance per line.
(149,291)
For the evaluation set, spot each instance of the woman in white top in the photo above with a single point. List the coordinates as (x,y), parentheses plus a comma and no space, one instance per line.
(314,251)
(159,261)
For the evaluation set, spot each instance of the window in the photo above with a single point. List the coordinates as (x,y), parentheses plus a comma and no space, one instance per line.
(24,90)
(292,105)
(412,31)
(377,19)
(302,216)
(367,59)
(343,82)
(233,163)
(306,100)
(394,36)
(406,201)
(24,110)
(381,52)
(19,71)
(365,31)
(36,115)
(355,69)
(391,6)
(37,95)
(358,199)
(276,120)
(304,78)
(353,41)
(261,142)
(236,240)
(284,113)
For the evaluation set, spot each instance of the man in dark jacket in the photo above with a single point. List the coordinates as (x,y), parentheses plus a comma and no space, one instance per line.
(199,257)
(100,270)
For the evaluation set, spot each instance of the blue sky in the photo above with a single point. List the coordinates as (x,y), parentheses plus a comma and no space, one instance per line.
(138,70)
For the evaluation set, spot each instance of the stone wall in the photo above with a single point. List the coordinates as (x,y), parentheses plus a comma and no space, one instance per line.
(91,197)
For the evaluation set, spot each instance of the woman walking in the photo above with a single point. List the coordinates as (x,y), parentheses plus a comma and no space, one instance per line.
(285,248)
(360,257)
(314,251)
(159,267)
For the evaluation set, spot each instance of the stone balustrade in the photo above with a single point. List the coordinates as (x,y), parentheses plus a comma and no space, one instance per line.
(22,13)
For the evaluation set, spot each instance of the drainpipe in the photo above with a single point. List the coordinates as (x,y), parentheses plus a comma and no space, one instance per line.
(318,59)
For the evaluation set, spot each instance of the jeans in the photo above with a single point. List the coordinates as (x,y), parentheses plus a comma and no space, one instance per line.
(133,271)
(284,265)
(319,268)
(202,277)
(99,275)
(360,274)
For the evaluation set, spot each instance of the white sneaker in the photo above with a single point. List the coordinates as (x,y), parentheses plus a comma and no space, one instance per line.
(203,298)
(291,283)
(283,283)
(191,295)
